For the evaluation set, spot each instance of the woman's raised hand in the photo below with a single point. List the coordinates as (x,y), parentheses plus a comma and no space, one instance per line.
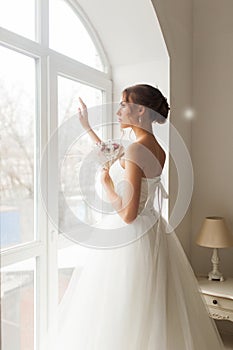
(83,115)
(83,118)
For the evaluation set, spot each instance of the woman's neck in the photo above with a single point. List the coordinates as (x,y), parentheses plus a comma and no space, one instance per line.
(142,132)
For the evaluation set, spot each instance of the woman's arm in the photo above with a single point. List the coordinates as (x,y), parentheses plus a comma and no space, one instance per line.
(83,118)
(127,205)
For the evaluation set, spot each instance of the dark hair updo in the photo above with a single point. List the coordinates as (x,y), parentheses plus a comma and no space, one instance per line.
(150,97)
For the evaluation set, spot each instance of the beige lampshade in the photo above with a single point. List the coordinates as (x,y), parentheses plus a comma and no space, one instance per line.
(214,233)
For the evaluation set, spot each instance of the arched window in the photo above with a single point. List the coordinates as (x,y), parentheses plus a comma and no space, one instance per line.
(72,38)
(50,55)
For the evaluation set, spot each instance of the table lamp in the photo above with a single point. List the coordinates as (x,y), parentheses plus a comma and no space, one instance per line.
(214,234)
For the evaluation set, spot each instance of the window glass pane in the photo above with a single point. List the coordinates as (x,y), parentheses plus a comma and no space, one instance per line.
(17,305)
(69,36)
(68,93)
(18,16)
(17,111)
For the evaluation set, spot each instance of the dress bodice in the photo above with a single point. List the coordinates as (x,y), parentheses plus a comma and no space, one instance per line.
(150,188)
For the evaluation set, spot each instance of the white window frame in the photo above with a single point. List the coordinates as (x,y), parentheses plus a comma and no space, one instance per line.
(50,64)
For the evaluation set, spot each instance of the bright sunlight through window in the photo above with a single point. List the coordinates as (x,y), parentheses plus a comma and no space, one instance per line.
(70,36)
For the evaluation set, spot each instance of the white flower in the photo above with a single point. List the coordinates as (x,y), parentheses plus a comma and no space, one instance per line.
(111,150)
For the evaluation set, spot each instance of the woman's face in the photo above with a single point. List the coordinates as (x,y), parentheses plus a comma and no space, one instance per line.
(127,115)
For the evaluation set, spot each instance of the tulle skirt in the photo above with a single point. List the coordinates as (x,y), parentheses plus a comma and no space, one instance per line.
(141,296)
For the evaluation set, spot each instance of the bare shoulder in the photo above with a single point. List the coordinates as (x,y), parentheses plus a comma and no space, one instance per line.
(134,152)
(133,149)
(149,156)
(152,156)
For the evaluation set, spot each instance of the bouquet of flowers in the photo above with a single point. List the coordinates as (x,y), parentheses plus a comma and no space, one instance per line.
(110,151)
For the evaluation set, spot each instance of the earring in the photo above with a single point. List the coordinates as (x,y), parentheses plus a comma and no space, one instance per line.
(140,120)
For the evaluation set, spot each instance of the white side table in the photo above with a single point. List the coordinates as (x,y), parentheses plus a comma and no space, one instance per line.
(218,297)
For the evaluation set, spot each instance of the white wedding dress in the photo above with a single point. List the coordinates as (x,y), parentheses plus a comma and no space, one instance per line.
(139,296)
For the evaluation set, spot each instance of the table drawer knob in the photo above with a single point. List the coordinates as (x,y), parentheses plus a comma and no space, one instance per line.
(215,302)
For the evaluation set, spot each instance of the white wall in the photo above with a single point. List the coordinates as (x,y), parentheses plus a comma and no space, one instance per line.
(128,29)
(175,18)
(212,129)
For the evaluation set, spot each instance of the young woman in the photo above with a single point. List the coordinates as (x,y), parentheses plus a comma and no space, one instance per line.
(141,295)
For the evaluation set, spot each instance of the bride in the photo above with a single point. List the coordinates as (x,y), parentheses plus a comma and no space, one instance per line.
(141,295)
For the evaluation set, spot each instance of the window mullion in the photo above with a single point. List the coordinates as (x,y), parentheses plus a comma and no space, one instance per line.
(21,252)
(86,73)
(42,22)
(41,296)
(52,237)
(107,112)
(21,44)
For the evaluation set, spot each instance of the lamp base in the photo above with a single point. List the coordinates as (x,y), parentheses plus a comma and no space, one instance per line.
(215,276)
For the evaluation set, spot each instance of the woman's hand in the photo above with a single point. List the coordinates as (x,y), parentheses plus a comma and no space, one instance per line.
(83,118)
(83,115)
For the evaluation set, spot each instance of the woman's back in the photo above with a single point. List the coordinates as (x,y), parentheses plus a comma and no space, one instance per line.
(151,156)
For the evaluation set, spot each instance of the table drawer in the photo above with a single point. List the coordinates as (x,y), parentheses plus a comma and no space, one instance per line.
(220,314)
(219,302)
(219,308)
